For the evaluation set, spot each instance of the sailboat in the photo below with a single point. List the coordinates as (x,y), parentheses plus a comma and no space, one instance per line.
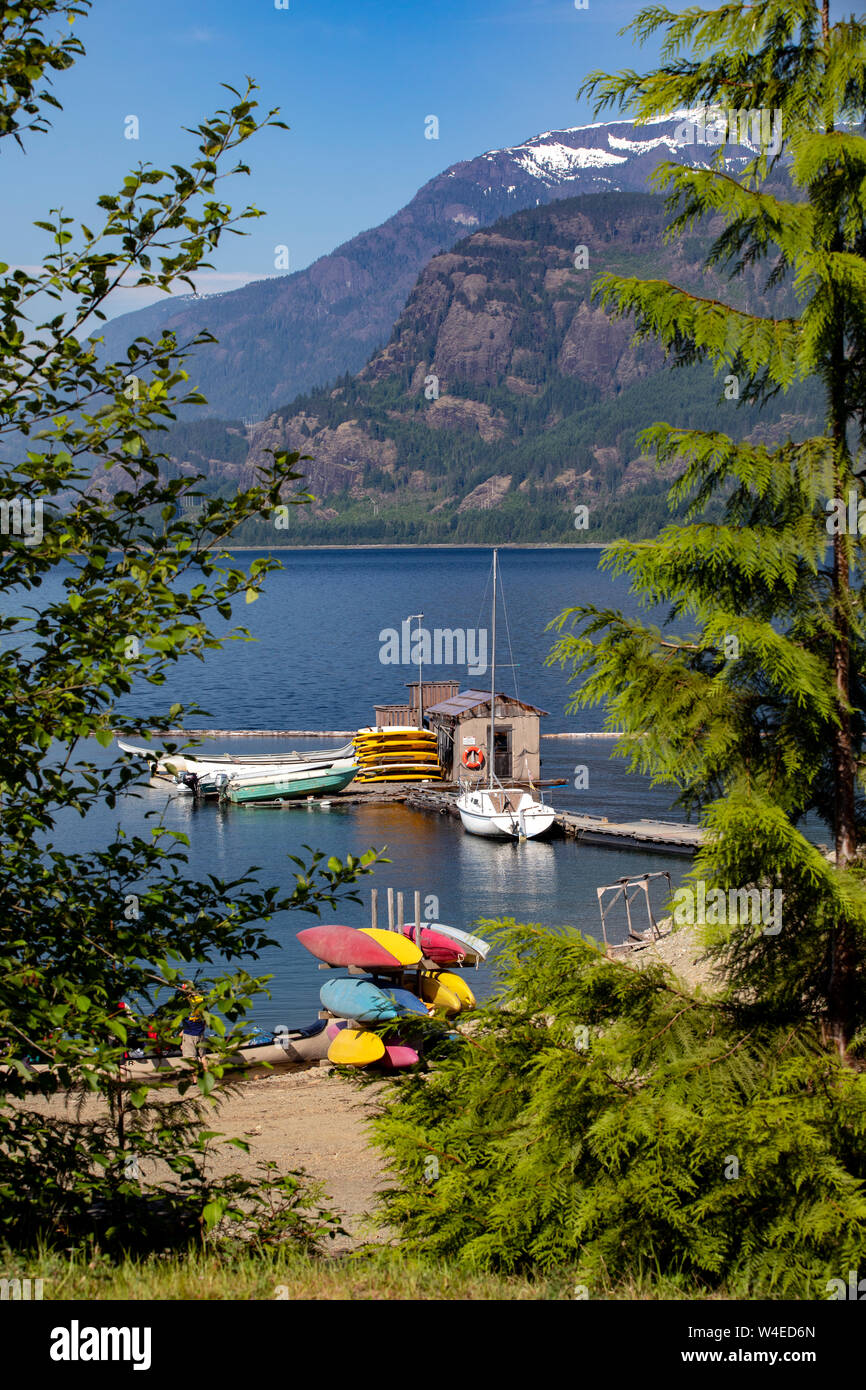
(498,810)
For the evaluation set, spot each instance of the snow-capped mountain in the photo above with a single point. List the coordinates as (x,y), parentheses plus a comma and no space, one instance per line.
(281,336)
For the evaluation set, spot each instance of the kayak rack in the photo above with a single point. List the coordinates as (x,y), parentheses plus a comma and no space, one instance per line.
(627,890)
(394,900)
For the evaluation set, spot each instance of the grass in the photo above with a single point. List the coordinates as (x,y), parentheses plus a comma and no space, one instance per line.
(286,1274)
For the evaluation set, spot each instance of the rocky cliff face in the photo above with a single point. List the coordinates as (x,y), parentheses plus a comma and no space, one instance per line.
(283,335)
(503,385)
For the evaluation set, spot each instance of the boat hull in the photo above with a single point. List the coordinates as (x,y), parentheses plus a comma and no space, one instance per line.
(343,946)
(359,999)
(473,948)
(527,822)
(235,764)
(436,945)
(288,786)
(355,1047)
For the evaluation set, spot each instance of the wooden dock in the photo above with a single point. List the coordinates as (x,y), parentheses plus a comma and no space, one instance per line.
(656,834)
(666,836)
(253,733)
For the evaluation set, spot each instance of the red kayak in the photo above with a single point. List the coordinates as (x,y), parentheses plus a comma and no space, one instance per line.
(346,946)
(436,946)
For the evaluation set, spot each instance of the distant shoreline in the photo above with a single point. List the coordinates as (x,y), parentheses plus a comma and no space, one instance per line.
(437,545)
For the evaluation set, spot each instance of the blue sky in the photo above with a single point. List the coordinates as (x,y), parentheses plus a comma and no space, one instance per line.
(355,80)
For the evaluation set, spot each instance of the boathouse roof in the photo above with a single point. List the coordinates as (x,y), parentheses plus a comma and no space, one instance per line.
(469,701)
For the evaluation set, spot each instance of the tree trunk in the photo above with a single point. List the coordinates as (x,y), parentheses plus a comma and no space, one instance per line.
(843,952)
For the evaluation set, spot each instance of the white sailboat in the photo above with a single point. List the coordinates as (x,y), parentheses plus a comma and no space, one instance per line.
(501,811)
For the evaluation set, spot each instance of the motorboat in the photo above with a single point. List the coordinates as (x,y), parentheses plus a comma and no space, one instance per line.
(204,776)
(285,783)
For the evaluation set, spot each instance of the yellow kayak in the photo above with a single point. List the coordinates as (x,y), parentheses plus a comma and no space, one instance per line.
(389,754)
(400,777)
(387,765)
(401,742)
(439,995)
(454,983)
(395,742)
(356,1047)
(406,952)
(395,731)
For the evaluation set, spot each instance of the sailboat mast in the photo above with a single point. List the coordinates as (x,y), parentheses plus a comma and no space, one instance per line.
(492,676)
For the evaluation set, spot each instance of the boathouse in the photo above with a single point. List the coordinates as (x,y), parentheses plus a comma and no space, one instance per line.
(462,723)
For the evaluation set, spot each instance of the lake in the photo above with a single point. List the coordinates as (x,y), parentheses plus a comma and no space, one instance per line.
(315,663)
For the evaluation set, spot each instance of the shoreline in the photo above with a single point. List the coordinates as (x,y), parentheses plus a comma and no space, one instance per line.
(433,545)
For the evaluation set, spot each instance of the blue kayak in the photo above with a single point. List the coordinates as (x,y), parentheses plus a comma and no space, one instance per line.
(358,998)
(408,1002)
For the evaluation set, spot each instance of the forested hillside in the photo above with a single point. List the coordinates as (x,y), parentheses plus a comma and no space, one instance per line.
(505,398)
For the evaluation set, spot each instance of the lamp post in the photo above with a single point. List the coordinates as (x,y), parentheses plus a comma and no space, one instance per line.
(411,618)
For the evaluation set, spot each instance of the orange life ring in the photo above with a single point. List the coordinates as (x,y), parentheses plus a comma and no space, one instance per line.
(473,758)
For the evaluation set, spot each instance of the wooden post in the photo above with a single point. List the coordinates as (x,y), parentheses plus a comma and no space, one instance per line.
(399,912)
(374,908)
(417,918)
(390,909)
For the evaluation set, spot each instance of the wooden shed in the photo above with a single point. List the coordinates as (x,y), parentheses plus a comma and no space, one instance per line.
(398,716)
(463,721)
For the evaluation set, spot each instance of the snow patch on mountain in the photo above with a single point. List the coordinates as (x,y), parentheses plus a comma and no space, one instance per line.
(618,142)
(557,159)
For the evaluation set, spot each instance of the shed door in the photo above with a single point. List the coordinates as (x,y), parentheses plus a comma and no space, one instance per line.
(502,753)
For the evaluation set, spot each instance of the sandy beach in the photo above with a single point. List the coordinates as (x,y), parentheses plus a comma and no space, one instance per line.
(313,1120)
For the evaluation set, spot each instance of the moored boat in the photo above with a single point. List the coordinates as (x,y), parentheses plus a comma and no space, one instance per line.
(503,813)
(285,783)
(204,775)
(500,811)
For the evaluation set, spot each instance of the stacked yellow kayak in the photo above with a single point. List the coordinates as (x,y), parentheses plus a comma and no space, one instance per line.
(400,754)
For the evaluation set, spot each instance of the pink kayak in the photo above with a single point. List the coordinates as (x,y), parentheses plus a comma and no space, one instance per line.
(397,1056)
(436,946)
(337,945)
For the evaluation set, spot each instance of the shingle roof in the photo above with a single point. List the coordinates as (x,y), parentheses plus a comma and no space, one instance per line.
(470,700)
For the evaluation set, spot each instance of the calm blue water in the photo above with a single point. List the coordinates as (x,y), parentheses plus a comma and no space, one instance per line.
(315,664)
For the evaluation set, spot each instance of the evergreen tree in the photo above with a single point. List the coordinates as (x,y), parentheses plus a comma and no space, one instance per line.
(607,1117)
(603,1119)
(756,716)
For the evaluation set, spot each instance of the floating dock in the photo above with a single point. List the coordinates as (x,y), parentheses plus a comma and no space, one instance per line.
(253,733)
(656,834)
(659,835)
(328,733)
(667,836)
